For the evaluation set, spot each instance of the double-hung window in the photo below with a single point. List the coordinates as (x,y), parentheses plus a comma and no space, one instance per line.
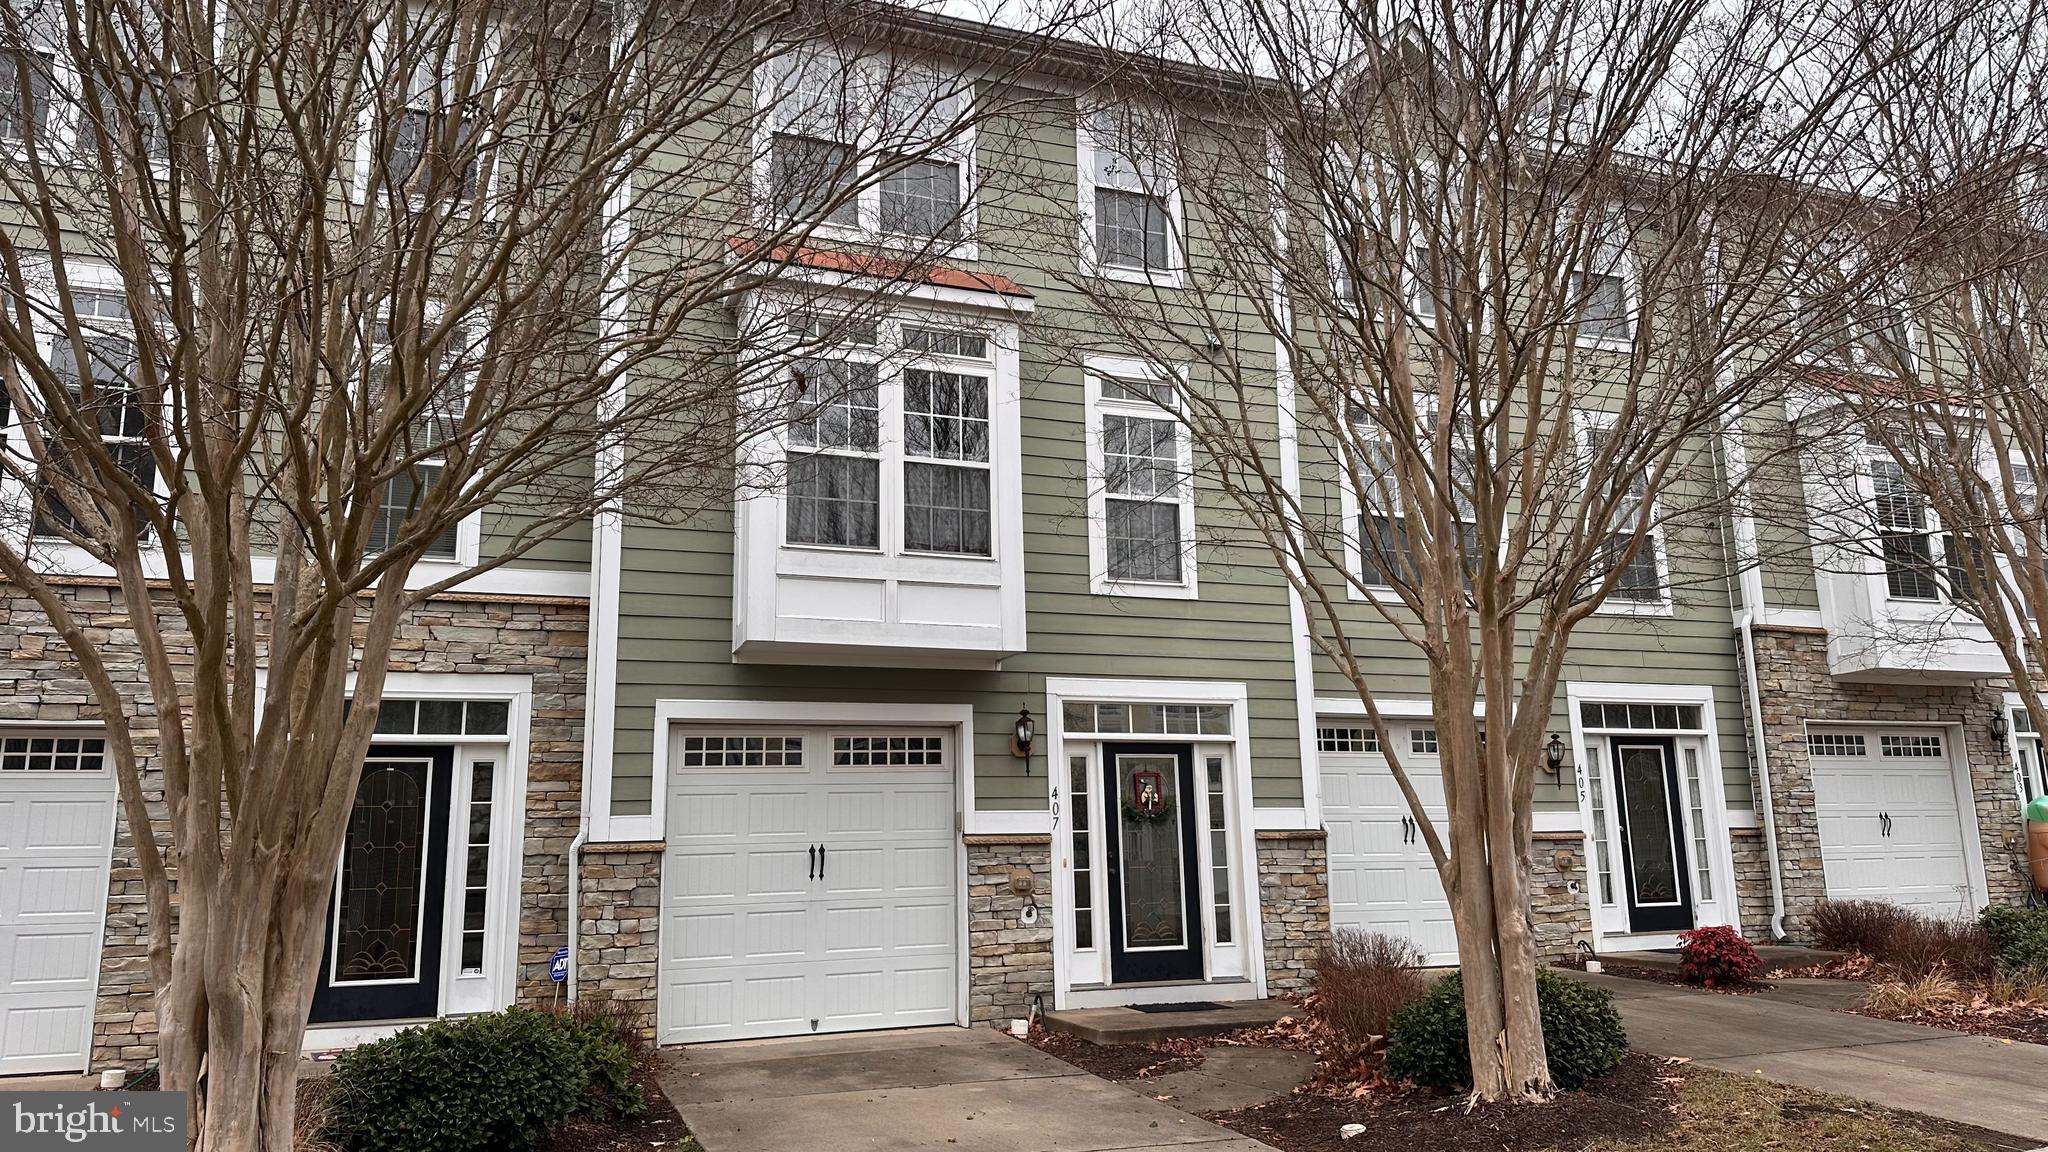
(1386,550)
(893,451)
(869,144)
(27,72)
(1641,583)
(421,449)
(1142,519)
(1921,561)
(430,134)
(114,408)
(1600,306)
(1129,200)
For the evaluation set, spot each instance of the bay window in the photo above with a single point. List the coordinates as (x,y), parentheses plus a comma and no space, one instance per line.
(908,433)
(114,407)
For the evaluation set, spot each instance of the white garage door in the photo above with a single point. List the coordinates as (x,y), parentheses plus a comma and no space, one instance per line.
(56,830)
(1381,876)
(1889,825)
(810,883)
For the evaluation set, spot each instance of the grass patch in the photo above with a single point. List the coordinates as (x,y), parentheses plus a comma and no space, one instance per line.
(1723,1112)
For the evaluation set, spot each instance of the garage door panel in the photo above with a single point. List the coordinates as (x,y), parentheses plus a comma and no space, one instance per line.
(56,832)
(870,943)
(1916,857)
(1381,876)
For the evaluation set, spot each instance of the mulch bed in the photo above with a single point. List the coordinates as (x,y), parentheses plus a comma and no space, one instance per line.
(1634,1101)
(1663,976)
(1119,1061)
(657,1128)
(2024,1024)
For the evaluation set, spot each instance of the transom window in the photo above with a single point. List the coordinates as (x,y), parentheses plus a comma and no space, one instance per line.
(443,717)
(52,754)
(912,430)
(743,751)
(874,751)
(1085,716)
(871,143)
(1641,717)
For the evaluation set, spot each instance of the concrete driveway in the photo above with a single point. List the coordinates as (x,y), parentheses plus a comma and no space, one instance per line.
(950,1088)
(1789,1035)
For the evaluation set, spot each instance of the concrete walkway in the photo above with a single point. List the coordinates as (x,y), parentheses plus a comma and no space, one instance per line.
(936,1088)
(1786,1036)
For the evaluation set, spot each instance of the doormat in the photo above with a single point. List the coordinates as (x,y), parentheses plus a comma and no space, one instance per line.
(1188,1006)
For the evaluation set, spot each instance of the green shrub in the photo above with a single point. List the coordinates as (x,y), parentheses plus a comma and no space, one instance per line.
(1582,1033)
(2019,936)
(501,1080)
(611,1058)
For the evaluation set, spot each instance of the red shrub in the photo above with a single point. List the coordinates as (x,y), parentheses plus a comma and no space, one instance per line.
(1716,957)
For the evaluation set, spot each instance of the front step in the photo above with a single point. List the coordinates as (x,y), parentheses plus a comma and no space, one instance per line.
(1131,1026)
(1773,956)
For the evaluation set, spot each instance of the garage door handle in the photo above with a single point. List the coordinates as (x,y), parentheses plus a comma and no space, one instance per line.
(811,873)
(821,861)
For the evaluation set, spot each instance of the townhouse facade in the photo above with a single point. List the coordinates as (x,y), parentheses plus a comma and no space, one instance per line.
(979,711)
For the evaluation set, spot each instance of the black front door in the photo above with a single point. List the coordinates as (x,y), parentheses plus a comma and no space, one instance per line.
(1155,922)
(1652,835)
(382,960)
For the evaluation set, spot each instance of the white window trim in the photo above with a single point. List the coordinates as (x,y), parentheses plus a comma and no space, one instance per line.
(1357,436)
(1934,530)
(959,148)
(999,367)
(366,126)
(1584,422)
(1099,581)
(1174,275)
(1620,265)
(54,553)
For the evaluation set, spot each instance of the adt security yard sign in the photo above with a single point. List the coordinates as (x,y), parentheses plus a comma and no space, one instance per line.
(558,968)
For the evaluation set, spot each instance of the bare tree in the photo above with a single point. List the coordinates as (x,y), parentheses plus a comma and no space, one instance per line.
(293,290)
(1453,301)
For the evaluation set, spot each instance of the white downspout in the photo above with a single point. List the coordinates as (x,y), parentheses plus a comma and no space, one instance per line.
(607,532)
(1749,579)
(1289,435)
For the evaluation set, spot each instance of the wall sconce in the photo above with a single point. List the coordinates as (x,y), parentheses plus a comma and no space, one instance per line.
(1553,756)
(1021,735)
(1999,727)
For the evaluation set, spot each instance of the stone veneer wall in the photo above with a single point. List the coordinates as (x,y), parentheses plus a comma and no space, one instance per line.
(1752,882)
(541,638)
(1009,962)
(1560,908)
(618,934)
(1294,906)
(1795,686)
